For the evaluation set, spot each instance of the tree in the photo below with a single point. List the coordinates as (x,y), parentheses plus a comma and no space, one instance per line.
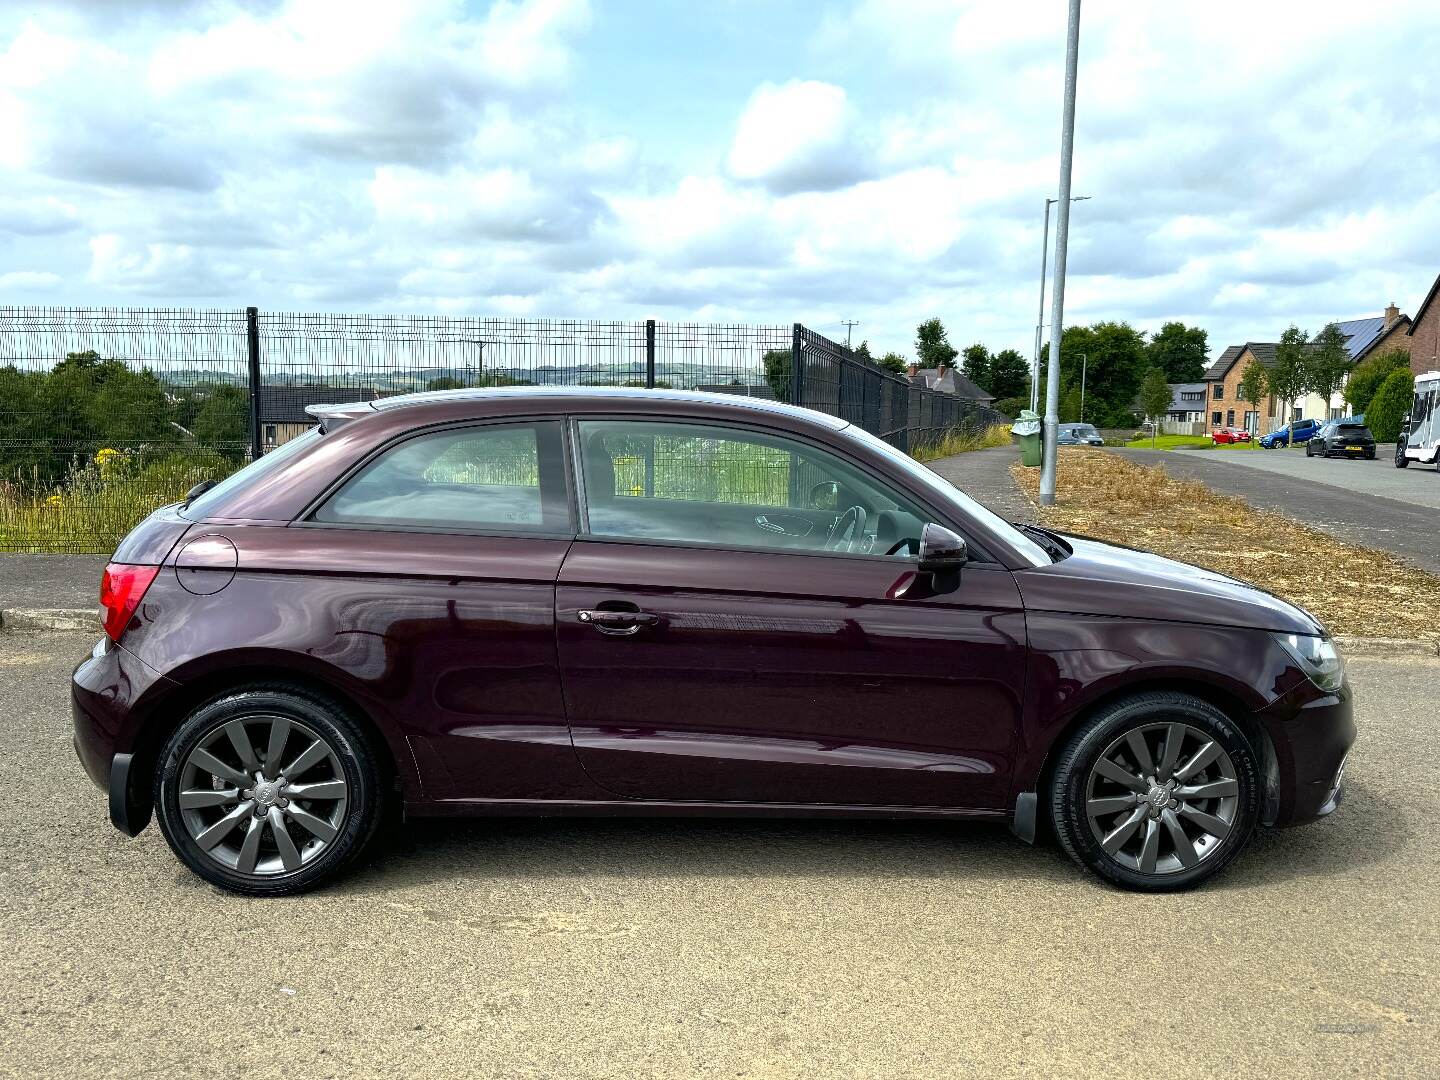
(1114,366)
(1367,376)
(1155,399)
(776,363)
(1327,362)
(863,351)
(932,347)
(1287,377)
(976,365)
(223,417)
(893,361)
(1009,374)
(1253,387)
(444,382)
(1011,406)
(1390,405)
(1181,351)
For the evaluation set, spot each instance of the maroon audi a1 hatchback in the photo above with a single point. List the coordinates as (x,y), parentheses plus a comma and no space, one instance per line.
(530,601)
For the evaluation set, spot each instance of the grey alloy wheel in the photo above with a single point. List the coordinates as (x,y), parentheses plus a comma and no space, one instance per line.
(1162,798)
(263,794)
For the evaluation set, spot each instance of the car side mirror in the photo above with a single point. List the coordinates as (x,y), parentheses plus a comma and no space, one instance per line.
(941,550)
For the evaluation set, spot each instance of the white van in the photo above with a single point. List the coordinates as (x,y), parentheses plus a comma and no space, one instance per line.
(1420,440)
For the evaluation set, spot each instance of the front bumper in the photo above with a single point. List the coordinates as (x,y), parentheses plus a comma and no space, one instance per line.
(1311,743)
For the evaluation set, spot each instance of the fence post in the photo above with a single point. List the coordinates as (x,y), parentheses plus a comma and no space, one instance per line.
(252,348)
(650,354)
(797,365)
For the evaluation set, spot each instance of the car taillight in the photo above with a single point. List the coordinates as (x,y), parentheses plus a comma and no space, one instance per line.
(122,587)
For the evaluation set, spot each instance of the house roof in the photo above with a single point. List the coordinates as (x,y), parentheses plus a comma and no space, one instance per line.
(1430,298)
(949,381)
(1360,334)
(1264,351)
(1179,404)
(286,404)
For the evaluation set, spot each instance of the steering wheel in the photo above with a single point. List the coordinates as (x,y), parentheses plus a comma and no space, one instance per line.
(848,531)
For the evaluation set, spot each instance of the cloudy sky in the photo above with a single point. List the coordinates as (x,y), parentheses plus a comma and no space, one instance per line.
(1250,163)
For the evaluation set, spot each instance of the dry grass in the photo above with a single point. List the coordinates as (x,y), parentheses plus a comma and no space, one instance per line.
(1353,590)
(959,442)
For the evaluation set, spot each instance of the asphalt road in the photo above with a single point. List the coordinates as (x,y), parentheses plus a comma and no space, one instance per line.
(772,950)
(1343,498)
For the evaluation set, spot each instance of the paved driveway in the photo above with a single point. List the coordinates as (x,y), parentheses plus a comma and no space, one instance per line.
(1418,485)
(744,949)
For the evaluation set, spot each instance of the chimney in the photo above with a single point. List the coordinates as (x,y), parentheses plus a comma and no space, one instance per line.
(1392,315)
(913,370)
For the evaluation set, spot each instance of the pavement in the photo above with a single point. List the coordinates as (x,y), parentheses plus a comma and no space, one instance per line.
(984,475)
(748,949)
(50,581)
(1353,500)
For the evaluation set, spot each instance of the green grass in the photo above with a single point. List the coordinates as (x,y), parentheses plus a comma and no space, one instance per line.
(1198,442)
(960,442)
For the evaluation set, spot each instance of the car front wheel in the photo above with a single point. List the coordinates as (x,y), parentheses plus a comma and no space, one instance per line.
(267,791)
(1157,793)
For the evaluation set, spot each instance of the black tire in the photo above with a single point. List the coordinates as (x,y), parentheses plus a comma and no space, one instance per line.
(1401,461)
(353,761)
(1069,789)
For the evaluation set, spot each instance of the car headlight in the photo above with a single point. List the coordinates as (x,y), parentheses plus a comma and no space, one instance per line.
(1316,656)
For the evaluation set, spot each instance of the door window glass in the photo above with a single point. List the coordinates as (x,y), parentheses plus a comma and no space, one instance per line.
(718,485)
(505,477)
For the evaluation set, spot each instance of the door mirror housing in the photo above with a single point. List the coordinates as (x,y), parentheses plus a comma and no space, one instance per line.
(941,550)
(825,496)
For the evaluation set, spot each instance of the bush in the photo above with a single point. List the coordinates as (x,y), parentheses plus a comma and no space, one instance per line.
(778,372)
(1011,406)
(1390,405)
(1365,380)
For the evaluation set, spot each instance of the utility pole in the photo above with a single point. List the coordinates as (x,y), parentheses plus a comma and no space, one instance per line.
(1084,359)
(1062,242)
(1040,318)
(849,325)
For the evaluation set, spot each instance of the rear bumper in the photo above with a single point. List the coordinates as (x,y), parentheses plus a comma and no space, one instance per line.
(108,694)
(1311,744)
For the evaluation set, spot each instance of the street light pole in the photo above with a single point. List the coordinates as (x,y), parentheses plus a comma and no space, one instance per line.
(1040,317)
(1084,359)
(1062,242)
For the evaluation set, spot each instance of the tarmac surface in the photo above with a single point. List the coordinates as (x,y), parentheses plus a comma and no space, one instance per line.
(748,949)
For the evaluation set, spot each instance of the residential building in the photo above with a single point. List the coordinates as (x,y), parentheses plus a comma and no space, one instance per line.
(1224,404)
(282,409)
(1422,336)
(1363,338)
(948,381)
(1187,402)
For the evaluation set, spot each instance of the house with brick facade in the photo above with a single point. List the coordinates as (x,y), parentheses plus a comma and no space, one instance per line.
(1363,338)
(1422,336)
(1224,405)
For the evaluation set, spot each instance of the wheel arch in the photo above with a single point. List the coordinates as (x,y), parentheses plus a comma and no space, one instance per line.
(1036,790)
(163,716)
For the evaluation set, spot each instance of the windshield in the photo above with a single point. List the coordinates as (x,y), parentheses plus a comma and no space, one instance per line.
(252,474)
(931,482)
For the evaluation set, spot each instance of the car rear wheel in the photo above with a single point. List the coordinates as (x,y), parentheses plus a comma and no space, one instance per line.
(267,791)
(1158,792)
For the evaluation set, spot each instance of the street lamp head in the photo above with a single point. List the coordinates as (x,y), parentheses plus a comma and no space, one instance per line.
(1073,198)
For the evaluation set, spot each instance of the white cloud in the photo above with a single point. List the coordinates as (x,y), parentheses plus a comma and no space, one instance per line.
(796,137)
(29,280)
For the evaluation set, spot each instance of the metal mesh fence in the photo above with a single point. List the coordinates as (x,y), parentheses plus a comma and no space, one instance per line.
(108,413)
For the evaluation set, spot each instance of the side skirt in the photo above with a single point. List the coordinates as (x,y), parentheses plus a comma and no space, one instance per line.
(648,808)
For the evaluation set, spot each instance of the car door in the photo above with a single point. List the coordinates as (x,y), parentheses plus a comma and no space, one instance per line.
(708,657)
(433,572)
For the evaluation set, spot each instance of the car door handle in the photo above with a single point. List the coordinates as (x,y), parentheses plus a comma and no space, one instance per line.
(617,623)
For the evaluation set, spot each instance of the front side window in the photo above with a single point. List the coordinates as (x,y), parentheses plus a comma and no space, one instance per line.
(499,477)
(703,484)
(1219,392)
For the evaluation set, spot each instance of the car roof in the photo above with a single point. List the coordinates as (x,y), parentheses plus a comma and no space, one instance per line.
(520,395)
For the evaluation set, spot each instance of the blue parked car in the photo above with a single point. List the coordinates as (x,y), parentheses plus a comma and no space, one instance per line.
(1304,431)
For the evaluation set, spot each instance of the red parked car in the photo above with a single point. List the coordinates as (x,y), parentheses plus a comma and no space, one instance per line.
(532,601)
(1230,435)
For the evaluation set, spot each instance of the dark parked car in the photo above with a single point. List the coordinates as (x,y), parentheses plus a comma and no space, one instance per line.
(650,602)
(1300,431)
(1079,435)
(1342,438)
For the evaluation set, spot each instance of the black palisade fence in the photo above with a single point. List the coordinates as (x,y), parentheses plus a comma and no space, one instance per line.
(108,413)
